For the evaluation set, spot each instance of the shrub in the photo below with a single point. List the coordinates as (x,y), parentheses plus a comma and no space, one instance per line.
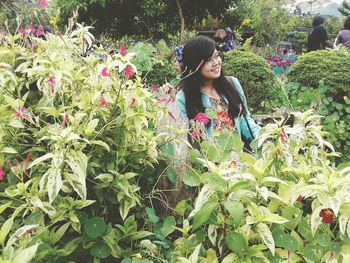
(333,67)
(161,73)
(336,113)
(254,73)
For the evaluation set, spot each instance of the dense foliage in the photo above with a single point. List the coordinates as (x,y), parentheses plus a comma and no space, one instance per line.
(254,73)
(336,112)
(81,167)
(333,67)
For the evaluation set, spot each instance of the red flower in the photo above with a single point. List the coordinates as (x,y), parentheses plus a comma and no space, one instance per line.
(103,102)
(43,4)
(300,198)
(327,215)
(104,72)
(51,80)
(284,135)
(122,50)
(224,118)
(128,72)
(202,118)
(2,174)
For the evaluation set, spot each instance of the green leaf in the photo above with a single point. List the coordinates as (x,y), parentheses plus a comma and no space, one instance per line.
(266,236)
(191,178)
(152,215)
(203,214)
(236,211)
(101,143)
(171,174)
(5,229)
(54,183)
(324,240)
(95,227)
(40,159)
(78,164)
(168,225)
(25,255)
(293,214)
(290,243)
(278,236)
(313,252)
(100,250)
(59,233)
(236,242)
(168,149)
(8,150)
(239,186)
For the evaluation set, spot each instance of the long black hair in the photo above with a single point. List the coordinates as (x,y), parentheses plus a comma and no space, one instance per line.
(195,53)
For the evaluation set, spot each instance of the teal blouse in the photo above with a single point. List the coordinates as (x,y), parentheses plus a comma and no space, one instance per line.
(240,123)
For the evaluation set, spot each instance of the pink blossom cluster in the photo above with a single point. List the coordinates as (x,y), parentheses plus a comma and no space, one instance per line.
(31,29)
(278,61)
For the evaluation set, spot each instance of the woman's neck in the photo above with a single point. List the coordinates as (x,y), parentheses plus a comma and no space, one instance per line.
(209,89)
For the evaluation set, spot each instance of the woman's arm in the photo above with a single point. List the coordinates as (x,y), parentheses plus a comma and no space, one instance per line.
(248,122)
(181,103)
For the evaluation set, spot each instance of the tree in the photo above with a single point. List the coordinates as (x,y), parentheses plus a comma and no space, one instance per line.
(270,22)
(344,9)
(152,18)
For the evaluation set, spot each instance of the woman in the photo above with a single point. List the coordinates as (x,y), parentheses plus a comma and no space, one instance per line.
(344,34)
(204,86)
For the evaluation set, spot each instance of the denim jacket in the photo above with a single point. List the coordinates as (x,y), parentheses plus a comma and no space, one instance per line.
(240,122)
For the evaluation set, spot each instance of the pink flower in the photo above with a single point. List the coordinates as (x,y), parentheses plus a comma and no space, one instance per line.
(128,72)
(20,113)
(2,174)
(65,121)
(132,102)
(104,72)
(284,135)
(40,31)
(195,133)
(154,88)
(122,50)
(51,80)
(31,28)
(43,4)
(23,32)
(172,115)
(102,102)
(202,118)
(29,157)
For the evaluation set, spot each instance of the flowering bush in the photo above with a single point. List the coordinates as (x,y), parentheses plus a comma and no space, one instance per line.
(70,161)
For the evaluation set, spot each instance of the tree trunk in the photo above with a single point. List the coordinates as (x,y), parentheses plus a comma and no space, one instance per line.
(182,20)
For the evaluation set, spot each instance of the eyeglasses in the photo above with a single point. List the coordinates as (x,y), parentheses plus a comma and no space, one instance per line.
(218,56)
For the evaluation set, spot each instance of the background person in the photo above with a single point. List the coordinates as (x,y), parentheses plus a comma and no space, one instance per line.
(344,34)
(318,38)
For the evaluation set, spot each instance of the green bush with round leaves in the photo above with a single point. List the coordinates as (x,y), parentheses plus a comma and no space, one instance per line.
(333,67)
(254,74)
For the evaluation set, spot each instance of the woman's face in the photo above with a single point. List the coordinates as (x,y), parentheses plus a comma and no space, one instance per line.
(212,67)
